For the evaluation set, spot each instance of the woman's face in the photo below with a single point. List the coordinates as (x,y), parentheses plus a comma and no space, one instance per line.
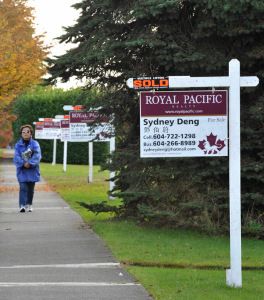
(26,133)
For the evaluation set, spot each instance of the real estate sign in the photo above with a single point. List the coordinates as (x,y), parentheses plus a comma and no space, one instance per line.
(39,130)
(89,126)
(184,123)
(51,129)
(65,130)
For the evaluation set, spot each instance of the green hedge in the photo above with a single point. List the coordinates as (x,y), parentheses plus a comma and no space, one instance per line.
(77,152)
(48,102)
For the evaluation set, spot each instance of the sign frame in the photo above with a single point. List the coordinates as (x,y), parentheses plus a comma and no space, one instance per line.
(233,81)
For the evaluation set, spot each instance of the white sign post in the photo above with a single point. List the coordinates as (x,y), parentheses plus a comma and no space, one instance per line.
(234,81)
(234,274)
(65,150)
(112,174)
(65,138)
(90,176)
(54,152)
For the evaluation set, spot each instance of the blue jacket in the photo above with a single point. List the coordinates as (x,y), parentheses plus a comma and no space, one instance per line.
(33,158)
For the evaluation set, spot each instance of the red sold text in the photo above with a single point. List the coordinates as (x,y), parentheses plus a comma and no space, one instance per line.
(150,83)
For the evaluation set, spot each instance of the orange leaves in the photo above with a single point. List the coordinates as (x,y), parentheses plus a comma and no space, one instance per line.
(21,54)
(15,188)
(6,131)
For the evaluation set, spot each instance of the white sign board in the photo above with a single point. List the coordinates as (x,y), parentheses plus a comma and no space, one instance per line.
(83,127)
(39,130)
(65,130)
(51,130)
(183,123)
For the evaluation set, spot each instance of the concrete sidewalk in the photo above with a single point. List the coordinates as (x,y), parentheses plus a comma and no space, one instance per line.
(51,254)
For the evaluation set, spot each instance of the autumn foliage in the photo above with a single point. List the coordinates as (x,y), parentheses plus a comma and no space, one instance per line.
(21,58)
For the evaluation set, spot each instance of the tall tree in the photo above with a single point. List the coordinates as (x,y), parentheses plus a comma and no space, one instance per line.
(21,57)
(116,40)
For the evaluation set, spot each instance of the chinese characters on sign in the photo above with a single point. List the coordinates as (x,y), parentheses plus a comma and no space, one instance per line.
(183,123)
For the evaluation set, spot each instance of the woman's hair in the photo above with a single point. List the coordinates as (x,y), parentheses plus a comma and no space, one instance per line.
(27,126)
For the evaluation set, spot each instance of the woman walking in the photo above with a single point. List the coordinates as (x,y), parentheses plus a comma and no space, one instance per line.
(27,158)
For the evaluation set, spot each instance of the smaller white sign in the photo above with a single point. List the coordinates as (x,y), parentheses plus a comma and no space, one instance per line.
(39,130)
(89,126)
(65,130)
(51,130)
(79,132)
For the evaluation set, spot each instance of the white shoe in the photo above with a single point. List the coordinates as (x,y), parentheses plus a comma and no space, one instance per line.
(30,208)
(22,209)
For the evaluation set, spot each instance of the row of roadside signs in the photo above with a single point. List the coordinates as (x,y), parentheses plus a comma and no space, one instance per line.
(78,126)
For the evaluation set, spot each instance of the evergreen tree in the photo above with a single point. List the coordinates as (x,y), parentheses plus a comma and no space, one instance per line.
(116,40)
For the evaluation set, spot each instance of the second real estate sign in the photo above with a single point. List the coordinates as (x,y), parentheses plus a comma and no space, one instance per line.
(184,123)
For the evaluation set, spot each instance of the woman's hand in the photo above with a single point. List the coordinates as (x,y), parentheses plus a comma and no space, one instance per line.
(26,165)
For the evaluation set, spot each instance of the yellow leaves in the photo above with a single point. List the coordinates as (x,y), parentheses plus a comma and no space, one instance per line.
(21,55)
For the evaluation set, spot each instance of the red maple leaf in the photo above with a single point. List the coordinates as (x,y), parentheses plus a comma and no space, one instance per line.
(220,144)
(201,144)
(211,139)
(211,145)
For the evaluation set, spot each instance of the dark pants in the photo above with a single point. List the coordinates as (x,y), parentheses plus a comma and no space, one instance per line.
(26,192)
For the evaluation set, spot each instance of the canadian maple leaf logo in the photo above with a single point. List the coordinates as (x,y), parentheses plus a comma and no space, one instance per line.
(211,145)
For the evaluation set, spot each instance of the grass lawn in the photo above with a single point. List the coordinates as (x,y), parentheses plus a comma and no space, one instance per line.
(196,261)
(73,187)
(185,284)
